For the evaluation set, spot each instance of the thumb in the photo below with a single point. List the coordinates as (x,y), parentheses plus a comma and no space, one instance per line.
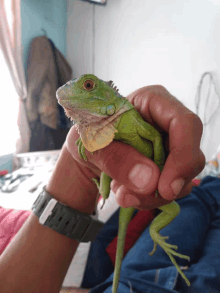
(129,167)
(121,162)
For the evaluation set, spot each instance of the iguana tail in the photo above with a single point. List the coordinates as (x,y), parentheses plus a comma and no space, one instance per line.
(124,219)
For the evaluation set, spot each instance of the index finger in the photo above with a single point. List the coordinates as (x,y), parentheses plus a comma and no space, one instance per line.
(184,128)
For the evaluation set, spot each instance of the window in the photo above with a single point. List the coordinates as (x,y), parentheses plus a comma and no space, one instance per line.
(9,102)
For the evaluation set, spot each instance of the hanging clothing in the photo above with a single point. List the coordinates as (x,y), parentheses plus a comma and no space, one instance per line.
(47,69)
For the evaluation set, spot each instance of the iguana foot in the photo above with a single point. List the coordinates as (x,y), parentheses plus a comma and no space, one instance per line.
(103,186)
(97,182)
(81,149)
(98,186)
(169,249)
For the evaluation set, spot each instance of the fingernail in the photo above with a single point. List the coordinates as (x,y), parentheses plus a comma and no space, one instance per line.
(177,186)
(131,200)
(140,175)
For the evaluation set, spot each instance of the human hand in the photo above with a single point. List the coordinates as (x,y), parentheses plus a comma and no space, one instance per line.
(71,183)
(185,159)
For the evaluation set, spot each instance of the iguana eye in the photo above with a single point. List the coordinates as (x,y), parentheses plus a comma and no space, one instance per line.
(89,85)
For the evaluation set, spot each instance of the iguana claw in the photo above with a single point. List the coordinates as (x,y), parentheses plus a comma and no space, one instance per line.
(96,181)
(168,248)
(98,186)
(103,186)
(169,212)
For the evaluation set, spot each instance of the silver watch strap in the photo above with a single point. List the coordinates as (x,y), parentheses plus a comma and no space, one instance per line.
(64,220)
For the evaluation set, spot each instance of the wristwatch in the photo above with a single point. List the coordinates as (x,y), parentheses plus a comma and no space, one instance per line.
(65,220)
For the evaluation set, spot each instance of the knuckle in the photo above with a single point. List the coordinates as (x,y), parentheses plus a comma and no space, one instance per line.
(194,120)
(160,88)
(198,125)
(201,161)
(199,122)
(192,125)
(194,165)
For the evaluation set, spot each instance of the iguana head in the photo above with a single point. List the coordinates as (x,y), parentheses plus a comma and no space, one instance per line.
(95,106)
(88,97)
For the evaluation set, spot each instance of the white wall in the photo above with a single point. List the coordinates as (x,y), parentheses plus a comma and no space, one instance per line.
(145,42)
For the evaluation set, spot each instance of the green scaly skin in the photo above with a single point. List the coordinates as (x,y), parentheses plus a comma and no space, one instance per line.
(103,101)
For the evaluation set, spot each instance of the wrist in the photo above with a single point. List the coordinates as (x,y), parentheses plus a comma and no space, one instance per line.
(64,220)
(71,185)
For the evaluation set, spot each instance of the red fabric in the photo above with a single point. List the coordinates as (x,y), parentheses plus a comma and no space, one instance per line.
(135,228)
(10,223)
(3,172)
(196,182)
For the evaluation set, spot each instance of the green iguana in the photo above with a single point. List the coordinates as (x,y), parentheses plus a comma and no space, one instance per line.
(103,115)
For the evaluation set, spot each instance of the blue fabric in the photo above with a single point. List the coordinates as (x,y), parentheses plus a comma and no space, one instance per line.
(196,232)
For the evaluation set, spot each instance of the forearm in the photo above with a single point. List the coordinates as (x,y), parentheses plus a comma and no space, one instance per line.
(36,261)
(38,258)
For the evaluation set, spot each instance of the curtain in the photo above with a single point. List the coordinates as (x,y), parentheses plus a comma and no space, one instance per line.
(11,46)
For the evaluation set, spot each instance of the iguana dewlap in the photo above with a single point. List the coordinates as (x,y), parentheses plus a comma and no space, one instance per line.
(103,115)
